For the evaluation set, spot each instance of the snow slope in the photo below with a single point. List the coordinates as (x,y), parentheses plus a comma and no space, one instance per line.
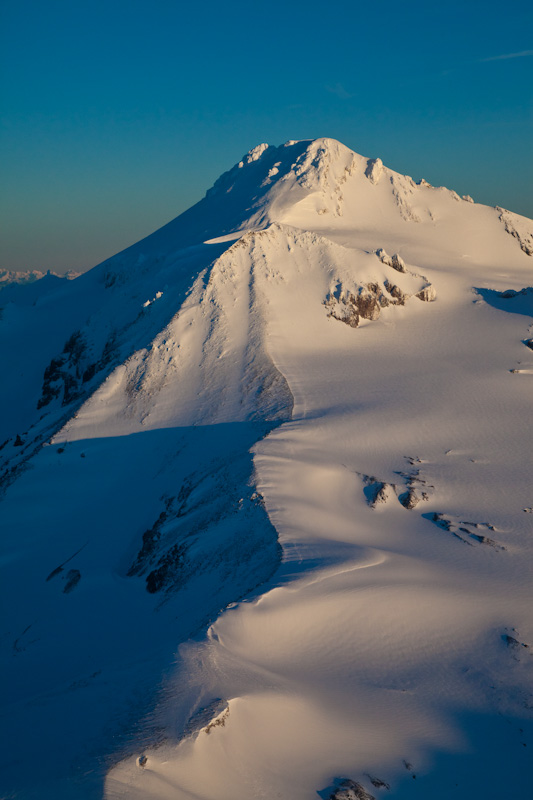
(324,353)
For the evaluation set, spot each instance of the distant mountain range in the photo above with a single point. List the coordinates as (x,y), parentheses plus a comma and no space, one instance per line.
(8,277)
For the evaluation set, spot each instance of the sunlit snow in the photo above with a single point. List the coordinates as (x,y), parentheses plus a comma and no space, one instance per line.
(267,503)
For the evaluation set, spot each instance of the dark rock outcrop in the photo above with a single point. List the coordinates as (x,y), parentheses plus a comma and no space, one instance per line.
(350,790)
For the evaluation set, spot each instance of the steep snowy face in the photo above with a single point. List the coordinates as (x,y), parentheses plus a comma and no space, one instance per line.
(208,365)
(287,175)
(259,190)
(322,185)
(310,184)
(102,318)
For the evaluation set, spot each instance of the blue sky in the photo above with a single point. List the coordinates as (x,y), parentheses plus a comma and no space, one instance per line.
(117,116)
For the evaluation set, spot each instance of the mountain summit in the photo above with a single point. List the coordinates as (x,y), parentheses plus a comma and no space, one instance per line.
(267,528)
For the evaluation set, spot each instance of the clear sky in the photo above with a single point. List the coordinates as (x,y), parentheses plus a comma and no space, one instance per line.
(116,116)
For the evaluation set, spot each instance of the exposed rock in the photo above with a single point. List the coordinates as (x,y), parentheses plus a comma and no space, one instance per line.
(482,539)
(409,499)
(398,263)
(529,343)
(380,496)
(373,170)
(367,300)
(149,542)
(465,531)
(350,790)
(368,304)
(378,783)
(89,373)
(350,307)
(468,198)
(64,373)
(175,548)
(375,491)
(384,257)
(168,571)
(219,722)
(72,578)
(441,522)
(51,382)
(348,315)
(378,491)
(395,291)
(204,717)
(75,346)
(428,294)
(510,641)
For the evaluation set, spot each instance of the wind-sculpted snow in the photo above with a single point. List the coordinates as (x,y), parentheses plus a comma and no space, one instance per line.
(265,554)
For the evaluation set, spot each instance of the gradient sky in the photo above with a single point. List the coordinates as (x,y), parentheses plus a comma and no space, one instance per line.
(117,116)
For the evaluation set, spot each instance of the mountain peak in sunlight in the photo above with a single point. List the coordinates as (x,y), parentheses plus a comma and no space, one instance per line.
(267,527)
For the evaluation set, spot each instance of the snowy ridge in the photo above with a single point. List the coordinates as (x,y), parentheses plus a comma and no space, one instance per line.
(217,340)
(227,413)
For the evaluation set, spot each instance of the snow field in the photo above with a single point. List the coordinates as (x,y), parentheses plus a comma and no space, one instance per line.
(390,456)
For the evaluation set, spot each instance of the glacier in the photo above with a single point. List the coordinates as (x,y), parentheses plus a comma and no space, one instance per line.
(267,501)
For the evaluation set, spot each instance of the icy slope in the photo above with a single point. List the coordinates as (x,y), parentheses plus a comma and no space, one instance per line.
(358,323)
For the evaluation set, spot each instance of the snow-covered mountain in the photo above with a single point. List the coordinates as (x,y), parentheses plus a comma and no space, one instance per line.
(267,499)
(13,280)
(9,277)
